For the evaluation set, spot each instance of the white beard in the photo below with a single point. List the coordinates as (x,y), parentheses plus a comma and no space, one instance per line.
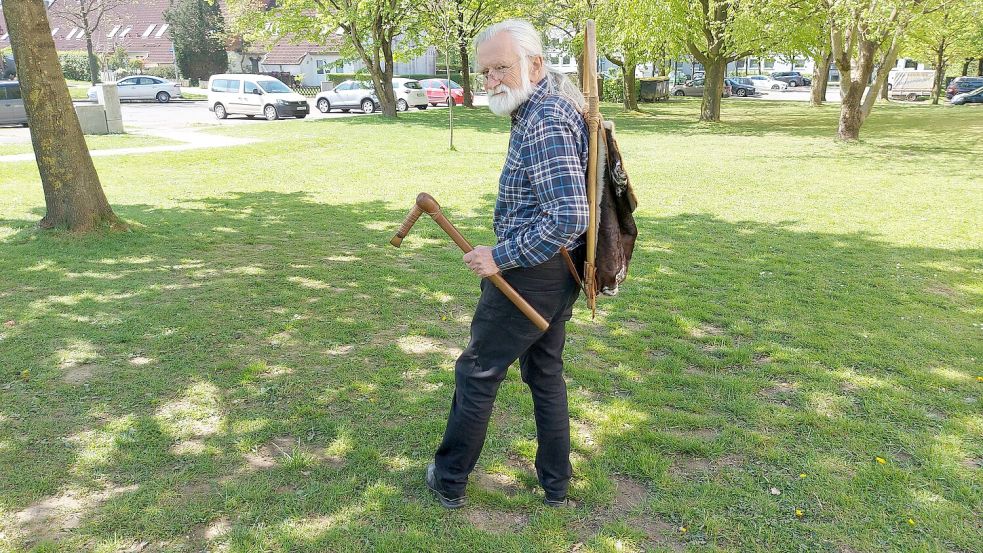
(504,100)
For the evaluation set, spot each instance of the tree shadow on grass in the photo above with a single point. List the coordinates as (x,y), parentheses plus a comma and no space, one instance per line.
(266,371)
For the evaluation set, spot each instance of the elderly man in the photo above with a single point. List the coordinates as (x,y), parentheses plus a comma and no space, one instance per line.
(541,208)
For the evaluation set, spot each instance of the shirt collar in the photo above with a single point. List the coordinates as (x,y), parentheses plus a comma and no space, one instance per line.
(538,94)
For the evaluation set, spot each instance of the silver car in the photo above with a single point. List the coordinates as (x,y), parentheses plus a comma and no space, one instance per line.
(143,87)
(347,96)
(11,104)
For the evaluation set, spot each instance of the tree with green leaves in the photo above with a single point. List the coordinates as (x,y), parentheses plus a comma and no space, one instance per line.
(630,33)
(567,17)
(866,34)
(461,21)
(717,32)
(376,32)
(73,195)
(197,29)
(944,35)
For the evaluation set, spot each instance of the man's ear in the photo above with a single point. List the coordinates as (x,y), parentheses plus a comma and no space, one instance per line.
(536,70)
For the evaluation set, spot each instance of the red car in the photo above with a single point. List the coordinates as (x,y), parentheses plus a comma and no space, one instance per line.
(436,90)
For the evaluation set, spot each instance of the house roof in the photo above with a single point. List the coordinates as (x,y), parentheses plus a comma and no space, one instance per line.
(139,27)
(287,51)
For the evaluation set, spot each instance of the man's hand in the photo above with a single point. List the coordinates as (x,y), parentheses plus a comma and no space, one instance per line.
(481,262)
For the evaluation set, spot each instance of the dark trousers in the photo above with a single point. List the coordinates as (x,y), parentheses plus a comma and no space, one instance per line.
(500,334)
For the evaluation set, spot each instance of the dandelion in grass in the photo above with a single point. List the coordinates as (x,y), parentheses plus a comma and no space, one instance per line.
(799,513)
(802,475)
(683,530)
(911,522)
(979,378)
(880,460)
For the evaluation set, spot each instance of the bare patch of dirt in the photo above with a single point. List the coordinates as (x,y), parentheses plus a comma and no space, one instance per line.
(762,359)
(628,495)
(77,374)
(214,530)
(518,462)
(658,533)
(706,329)
(494,521)
(699,433)
(935,414)
(940,289)
(633,325)
(496,482)
(188,447)
(584,432)
(140,361)
(976,463)
(780,392)
(693,370)
(53,517)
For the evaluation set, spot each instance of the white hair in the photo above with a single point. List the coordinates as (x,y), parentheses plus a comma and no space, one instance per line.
(528,44)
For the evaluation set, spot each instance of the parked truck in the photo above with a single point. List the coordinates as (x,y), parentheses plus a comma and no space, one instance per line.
(910,84)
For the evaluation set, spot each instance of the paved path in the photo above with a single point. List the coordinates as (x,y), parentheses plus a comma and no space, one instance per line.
(190,140)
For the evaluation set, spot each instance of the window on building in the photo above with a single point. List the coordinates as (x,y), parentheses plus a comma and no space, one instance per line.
(71,33)
(4,37)
(769,64)
(125,32)
(149,30)
(160,31)
(112,33)
(799,63)
(567,60)
(54,31)
(910,64)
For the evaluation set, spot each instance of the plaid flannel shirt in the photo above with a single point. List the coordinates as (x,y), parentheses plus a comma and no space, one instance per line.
(542,199)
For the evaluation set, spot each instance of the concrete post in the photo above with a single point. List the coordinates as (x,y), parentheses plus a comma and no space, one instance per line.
(108,96)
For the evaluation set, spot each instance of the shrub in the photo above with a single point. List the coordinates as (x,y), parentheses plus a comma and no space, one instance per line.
(75,65)
(162,71)
(614,89)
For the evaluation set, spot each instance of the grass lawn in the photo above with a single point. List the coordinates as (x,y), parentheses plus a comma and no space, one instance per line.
(794,365)
(95,142)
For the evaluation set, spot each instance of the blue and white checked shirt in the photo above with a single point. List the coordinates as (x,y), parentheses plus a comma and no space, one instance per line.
(542,199)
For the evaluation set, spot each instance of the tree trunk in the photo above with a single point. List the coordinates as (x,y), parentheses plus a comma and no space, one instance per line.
(883,93)
(466,75)
(628,78)
(73,195)
(820,78)
(387,97)
(888,62)
(851,111)
(965,70)
(713,89)
(940,66)
(979,68)
(93,61)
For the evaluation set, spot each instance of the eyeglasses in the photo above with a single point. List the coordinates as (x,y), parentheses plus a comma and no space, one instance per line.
(497,72)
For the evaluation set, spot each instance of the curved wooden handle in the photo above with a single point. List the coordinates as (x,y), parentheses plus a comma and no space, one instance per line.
(408,223)
(425,203)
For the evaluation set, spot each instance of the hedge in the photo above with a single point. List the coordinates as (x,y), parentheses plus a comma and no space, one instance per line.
(75,65)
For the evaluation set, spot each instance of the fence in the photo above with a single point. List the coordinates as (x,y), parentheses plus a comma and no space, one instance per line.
(306,91)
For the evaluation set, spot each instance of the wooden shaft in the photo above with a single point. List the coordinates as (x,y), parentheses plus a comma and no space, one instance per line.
(426,204)
(593,121)
(408,223)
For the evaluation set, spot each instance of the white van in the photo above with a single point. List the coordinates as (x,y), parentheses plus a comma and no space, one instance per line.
(253,95)
(11,104)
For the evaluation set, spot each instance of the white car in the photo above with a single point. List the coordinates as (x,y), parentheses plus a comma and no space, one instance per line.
(143,87)
(762,82)
(252,95)
(409,92)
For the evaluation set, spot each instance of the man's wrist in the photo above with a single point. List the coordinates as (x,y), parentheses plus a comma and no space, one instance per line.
(502,256)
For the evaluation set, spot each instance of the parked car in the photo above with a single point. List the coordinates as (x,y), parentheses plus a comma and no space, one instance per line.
(9,70)
(695,88)
(11,104)
(791,78)
(143,87)
(741,86)
(409,93)
(436,90)
(971,97)
(347,96)
(252,95)
(960,85)
(762,82)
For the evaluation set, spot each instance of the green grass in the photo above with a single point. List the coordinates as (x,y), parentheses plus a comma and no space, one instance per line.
(96,142)
(254,368)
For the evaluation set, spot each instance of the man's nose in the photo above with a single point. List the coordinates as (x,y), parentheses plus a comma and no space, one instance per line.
(491,82)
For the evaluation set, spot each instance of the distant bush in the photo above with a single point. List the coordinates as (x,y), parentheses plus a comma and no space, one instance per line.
(75,65)
(162,71)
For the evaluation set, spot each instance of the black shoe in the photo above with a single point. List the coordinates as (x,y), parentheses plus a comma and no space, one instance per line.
(556,503)
(446,501)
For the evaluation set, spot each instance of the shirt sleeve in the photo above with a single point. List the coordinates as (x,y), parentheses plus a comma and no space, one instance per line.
(553,165)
